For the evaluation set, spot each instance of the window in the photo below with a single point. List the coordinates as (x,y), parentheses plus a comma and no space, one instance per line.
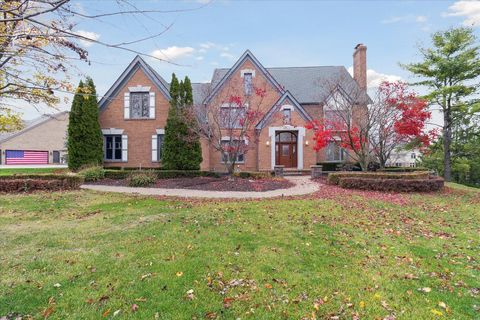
(139,105)
(335,153)
(287,116)
(412,164)
(56,156)
(413,156)
(247,83)
(159,147)
(231,148)
(232,116)
(113,147)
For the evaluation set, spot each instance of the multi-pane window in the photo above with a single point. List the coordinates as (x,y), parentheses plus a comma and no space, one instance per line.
(248,83)
(160,146)
(113,147)
(232,116)
(287,116)
(413,156)
(335,153)
(139,105)
(232,149)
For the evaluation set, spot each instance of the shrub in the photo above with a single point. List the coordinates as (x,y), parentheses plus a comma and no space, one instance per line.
(92,173)
(253,175)
(328,166)
(161,174)
(403,169)
(142,179)
(31,182)
(333,178)
(395,185)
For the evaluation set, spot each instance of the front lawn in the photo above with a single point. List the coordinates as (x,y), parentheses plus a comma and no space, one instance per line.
(87,255)
(10,171)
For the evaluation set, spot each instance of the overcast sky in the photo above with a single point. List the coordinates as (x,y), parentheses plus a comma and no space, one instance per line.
(279,33)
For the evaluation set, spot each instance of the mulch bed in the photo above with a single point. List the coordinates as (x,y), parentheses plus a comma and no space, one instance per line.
(210,183)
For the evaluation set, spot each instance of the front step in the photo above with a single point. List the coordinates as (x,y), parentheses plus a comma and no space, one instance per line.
(296,172)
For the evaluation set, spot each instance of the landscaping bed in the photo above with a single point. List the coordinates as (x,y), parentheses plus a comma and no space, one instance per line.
(209,183)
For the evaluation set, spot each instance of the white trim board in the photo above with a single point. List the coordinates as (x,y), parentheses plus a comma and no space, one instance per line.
(301,133)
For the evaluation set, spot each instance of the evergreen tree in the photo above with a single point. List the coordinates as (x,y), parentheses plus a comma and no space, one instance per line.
(85,140)
(181,147)
(450,70)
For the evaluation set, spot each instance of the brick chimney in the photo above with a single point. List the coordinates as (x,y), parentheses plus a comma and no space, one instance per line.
(360,65)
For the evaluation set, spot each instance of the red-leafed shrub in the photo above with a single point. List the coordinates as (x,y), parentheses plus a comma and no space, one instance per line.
(26,183)
(334,178)
(395,185)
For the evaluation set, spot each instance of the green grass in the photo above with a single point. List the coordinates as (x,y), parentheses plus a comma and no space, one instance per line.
(273,259)
(10,171)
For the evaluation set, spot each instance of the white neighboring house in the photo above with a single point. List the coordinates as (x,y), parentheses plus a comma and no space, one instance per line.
(404,158)
(41,142)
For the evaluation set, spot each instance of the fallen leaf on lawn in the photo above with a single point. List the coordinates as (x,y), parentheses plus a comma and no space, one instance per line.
(179,274)
(48,311)
(211,315)
(436,312)
(141,299)
(361,304)
(268,286)
(134,307)
(317,303)
(377,296)
(106,313)
(146,276)
(117,312)
(227,302)
(57,285)
(425,289)
(190,295)
(442,305)
(157,315)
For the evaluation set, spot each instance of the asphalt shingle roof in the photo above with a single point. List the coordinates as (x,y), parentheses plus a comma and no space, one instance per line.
(307,84)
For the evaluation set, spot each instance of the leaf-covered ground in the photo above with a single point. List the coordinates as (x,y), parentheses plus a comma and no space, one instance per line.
(335,255)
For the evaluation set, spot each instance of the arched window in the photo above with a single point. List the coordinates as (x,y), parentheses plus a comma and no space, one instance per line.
(285,136)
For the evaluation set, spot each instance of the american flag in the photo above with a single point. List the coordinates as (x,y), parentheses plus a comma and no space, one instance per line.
(26,157)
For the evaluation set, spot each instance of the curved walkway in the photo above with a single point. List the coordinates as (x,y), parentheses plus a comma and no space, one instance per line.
(303,185)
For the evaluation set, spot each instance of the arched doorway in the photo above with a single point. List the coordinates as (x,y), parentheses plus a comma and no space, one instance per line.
(286,149)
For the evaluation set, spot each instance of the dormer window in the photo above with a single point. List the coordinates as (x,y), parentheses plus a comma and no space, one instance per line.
(287,116)
(139,105)
(248,83)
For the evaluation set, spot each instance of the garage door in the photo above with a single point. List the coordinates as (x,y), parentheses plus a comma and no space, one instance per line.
(26,157)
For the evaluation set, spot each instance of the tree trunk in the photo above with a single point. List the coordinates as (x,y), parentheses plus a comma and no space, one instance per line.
(447,139)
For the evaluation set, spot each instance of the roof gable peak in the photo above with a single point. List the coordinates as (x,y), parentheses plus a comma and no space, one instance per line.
(137,63)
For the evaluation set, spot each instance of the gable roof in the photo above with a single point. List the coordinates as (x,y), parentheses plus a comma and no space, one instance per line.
(287,95)
(137,63)
(228,72)
(29,125)
(305,83)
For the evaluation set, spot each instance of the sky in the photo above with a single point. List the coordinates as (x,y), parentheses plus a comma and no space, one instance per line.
(199,36)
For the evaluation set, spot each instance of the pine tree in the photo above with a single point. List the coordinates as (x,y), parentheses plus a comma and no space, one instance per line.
(181,149)
(85,140)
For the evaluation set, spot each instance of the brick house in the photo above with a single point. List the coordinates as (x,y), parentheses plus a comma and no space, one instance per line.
(134,110)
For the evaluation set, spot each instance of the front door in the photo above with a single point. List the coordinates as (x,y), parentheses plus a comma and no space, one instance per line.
(286,149)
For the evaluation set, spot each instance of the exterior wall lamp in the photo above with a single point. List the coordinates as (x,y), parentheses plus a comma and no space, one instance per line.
(267,143)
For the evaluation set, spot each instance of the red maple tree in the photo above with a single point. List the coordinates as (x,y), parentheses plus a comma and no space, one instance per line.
(395,119)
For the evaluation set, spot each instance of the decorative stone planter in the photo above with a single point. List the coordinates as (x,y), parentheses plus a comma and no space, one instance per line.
(278,170)
(316,171)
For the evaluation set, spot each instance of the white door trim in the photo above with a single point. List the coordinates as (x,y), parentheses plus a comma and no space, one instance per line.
(301,133)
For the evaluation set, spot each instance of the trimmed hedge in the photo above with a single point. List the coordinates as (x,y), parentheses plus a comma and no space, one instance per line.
(253,175)
(329,166)
(161,174)
(395,185)
(31,182)
(403,169)
(333,178)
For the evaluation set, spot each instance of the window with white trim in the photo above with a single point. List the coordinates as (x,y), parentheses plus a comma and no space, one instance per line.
(139,105)
(231,149)
(113,147)
(335,153)
(413,156)
(160,146)
(232,115)
(287,116)
(248,83)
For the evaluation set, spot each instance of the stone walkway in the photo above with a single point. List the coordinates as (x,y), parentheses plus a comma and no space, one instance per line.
(303,185)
